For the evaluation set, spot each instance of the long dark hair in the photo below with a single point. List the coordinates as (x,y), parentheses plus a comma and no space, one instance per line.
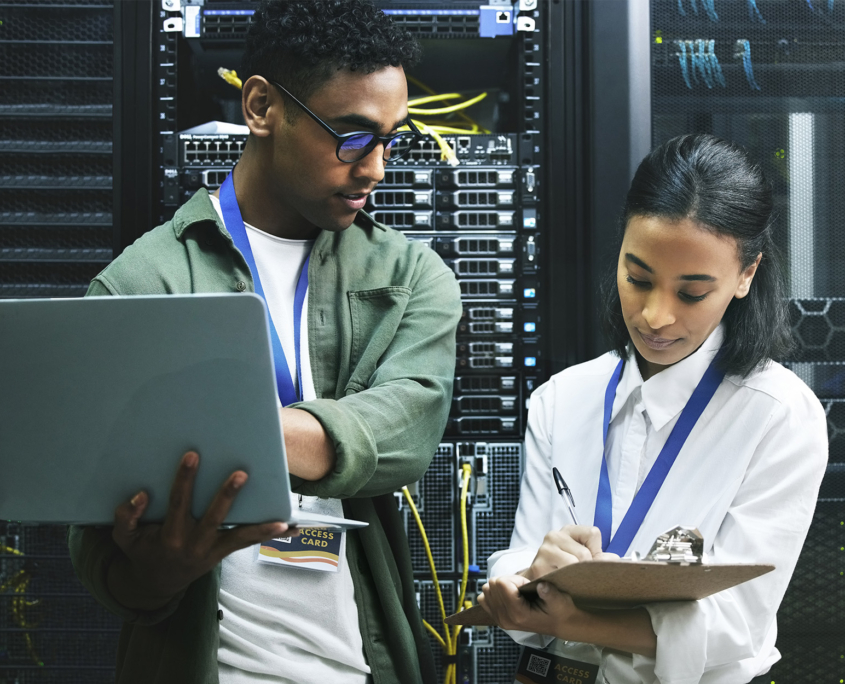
(717,185)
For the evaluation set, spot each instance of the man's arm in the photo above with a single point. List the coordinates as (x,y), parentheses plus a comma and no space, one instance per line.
(310,452)
(386,433)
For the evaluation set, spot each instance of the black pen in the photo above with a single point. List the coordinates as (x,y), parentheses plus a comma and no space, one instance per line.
(565,494)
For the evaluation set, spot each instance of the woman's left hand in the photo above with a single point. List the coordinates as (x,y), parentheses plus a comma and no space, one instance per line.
(551,613)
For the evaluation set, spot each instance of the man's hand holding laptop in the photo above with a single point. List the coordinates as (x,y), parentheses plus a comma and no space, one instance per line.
(161,560)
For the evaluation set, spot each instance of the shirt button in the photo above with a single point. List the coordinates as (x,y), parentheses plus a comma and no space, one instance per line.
(219,614)
(241,286)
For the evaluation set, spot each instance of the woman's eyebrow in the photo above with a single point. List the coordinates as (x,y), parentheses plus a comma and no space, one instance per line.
(693,277)
(698,276)
(639,262)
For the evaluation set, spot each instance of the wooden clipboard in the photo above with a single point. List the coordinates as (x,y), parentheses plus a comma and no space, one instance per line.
(623,584)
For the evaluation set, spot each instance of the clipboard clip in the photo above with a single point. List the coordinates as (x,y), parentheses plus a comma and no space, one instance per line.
(679,545)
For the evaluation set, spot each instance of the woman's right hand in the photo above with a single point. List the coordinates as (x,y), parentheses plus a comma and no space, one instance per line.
(569,544)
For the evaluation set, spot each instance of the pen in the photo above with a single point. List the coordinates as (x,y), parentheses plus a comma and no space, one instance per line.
(565,494)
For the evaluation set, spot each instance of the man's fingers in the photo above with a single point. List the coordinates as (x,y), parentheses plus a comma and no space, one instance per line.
(181,493)
(240,537)
(126,518)
(218,509)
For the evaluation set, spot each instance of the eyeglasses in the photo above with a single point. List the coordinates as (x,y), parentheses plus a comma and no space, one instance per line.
(352,147)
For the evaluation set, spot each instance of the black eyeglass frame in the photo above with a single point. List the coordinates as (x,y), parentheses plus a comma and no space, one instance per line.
(343,137)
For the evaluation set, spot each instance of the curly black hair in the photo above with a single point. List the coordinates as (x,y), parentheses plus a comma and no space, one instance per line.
(301,43)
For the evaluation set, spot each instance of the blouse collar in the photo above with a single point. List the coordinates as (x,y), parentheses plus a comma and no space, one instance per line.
(664,395)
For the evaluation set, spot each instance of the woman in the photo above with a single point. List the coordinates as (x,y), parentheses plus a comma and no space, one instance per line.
(699,303)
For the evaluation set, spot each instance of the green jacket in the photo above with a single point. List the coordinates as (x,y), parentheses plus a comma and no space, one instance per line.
(382,315)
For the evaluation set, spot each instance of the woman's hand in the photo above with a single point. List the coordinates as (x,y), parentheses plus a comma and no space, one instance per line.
(548,613)
(565,546)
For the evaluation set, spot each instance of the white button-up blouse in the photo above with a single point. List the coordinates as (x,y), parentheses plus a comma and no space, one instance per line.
(747,478)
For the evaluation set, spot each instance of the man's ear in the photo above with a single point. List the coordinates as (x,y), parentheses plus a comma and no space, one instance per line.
(261,106)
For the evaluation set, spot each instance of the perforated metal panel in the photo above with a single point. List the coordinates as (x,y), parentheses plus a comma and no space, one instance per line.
(493,527)
(51,630)
(780,95)
(55,235)
(436,499)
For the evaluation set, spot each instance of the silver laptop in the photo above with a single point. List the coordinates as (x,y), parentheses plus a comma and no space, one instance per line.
(100,397)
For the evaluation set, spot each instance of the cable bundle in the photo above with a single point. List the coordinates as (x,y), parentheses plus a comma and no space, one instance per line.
(450,643)
(18,584)
(754,13)
(709,8)
(743,52)
(699,58)
(464,126)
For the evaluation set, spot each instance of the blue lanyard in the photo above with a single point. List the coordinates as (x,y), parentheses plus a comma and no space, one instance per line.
(642,502)
(235,225)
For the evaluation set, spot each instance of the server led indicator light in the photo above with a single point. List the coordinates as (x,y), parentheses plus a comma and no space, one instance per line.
(529,327)
(530,360)
(529,293)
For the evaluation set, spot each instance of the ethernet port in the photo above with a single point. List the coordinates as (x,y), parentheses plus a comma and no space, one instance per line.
(463,144)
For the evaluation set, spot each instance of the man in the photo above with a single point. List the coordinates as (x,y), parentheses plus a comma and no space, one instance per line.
(324,96)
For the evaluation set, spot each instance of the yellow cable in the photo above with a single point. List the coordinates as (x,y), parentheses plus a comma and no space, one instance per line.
(9,549)
(231,77)
(467,470)
(452,130)
(19,584)
(435,633)
(450,644)
(461,115)
(445,148)
(432,98)
(430,563)
(448,110)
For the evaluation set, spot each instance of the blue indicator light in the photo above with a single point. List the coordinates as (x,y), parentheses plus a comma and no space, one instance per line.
(434,12)
(530,360)
(529,223)
(529,293)
(228,13)
(529,327)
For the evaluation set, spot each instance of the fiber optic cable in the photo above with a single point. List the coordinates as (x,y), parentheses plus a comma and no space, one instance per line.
(745,54)
(710,8)
(714,61)
(682,58)
(681,8)
(754,13)
(693,58)
(704,64)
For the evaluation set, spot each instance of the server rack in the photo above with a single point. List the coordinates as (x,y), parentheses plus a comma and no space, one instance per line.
(56,233)
(780,95)
(489,218)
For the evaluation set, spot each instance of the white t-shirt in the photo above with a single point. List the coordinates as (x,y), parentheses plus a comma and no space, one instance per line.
(747,478)
(285,625)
